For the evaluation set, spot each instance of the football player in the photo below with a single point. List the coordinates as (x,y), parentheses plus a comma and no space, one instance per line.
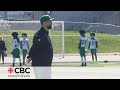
(81,47)
(24,45)
(15,48)
(93,46)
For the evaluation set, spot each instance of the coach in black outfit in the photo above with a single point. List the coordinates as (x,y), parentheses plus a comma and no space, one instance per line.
(41,52)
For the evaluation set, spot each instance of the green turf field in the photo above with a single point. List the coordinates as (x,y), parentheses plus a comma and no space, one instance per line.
(89,64)
(107,43)
(71,64)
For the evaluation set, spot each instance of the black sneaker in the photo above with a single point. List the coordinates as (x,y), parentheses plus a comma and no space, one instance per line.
(20,64)
(24,63)
(13,65)
(85,64)
(82,64)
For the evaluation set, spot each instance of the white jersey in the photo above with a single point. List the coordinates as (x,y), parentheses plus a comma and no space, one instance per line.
(83,41)
(15,44)
(24,43)
(93,43)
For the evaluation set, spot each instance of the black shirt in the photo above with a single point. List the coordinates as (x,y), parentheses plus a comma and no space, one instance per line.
(41,44)
(2,45)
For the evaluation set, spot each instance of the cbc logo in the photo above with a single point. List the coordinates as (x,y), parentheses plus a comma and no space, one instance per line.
(19,70)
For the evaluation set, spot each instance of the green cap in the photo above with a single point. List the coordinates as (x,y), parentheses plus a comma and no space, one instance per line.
(46,18)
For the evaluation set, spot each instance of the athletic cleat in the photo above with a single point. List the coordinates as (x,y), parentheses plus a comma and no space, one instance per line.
(96,62)
(20,64)
(92,62)
(13,65)
(24,63)
(85,64)
(82,64)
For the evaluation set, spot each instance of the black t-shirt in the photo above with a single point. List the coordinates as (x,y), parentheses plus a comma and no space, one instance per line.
(2,45)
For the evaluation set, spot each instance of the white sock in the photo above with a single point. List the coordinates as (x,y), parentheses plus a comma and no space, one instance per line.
(13,60)
(81,59)
(19,60)
(84,60)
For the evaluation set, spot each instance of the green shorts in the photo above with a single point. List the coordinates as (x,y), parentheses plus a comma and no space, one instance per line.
(82,51)
(24,51)
(16,53)
(93,50)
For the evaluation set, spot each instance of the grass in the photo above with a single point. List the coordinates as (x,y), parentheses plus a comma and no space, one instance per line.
(107,43)
(77,64)
(72,64)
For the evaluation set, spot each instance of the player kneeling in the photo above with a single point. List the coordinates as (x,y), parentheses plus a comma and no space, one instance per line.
(15,48)
(81,47)
(24,45)
(93,46)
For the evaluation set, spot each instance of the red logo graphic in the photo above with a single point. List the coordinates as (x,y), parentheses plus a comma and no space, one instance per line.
(10,70)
